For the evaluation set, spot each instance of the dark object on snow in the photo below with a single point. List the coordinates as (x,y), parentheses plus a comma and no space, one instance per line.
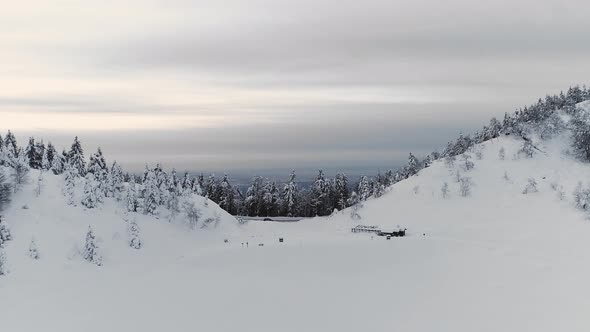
(388,237)
(281,240)
(267,219)
(225,241)
(261,244)
(399,233)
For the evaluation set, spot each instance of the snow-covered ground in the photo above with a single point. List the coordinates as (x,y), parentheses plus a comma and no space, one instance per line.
(497,260)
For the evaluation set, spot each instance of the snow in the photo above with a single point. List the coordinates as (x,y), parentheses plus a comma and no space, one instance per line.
(497,260)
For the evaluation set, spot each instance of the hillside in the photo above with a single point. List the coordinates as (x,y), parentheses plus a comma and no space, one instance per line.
(491,258)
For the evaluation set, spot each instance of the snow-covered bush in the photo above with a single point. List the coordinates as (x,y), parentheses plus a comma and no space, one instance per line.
(531,186)
(444,190)
(527,150)
(33,250)
(465,185)
(551,126)
(355,204)
(133,234)
(39,184)
(193,214)
(467,164)
(502,154)
(506,177)
(582,197)
(450,162)
(416,189)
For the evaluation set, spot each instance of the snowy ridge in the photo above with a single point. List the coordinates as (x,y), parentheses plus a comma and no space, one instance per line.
(508,254)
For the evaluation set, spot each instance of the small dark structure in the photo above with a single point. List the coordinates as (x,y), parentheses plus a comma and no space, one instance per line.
(281,240)
(225,241)
(261,244)
(389,237)
(267,219)
(398,233)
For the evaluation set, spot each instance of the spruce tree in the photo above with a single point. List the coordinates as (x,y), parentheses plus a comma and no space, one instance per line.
(3,267)
(91,250)
(70,184)
(90,199)
(4,232)
(364,189)
(76,157)
(290,196)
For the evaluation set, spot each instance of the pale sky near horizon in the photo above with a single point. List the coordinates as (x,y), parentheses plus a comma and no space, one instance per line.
(229,85)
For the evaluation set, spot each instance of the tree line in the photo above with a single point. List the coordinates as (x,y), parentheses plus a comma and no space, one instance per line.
(156,188)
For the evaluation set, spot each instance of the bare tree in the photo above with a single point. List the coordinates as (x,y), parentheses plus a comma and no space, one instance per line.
(465,185)
(445,190)
(193,214)
(531,186)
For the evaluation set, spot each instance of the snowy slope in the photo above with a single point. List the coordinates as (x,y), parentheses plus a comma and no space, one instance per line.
(496,260)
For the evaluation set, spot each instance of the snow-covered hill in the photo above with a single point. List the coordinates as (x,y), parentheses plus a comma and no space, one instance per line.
(507,252)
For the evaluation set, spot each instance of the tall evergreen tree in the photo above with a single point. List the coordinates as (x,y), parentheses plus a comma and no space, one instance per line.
(290,197)
(91,250)
(76,157)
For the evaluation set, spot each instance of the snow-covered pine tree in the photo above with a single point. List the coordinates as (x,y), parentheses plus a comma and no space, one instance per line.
(290,196)
(4,232)
(45,165)
(58,166)
(98,167)
(186,184)
(20,170)
(91,250)
(151,195)
(33,250)
(320,195)
(91,189)
(131,199)
(364,189)
(340,186)
(413,167)
(5,191)
(253,201)
(10,144)
(50,155)
(226,201)
(69,191)
(3,267)
(30,153)
(76,157)
(115,181)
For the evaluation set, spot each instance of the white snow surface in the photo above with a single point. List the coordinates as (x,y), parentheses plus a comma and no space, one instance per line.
(497,260)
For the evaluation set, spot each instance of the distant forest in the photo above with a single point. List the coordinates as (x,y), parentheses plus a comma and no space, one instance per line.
(155,187)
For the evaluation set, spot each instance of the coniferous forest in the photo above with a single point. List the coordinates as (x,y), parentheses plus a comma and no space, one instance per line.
(155,187)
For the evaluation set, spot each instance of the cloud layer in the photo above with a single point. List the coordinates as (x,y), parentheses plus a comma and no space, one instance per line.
(262,84)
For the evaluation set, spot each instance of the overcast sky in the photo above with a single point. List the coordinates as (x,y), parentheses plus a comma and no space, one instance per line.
(250,84)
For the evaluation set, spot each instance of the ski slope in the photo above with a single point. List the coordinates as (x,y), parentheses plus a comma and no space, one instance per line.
(496,260)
